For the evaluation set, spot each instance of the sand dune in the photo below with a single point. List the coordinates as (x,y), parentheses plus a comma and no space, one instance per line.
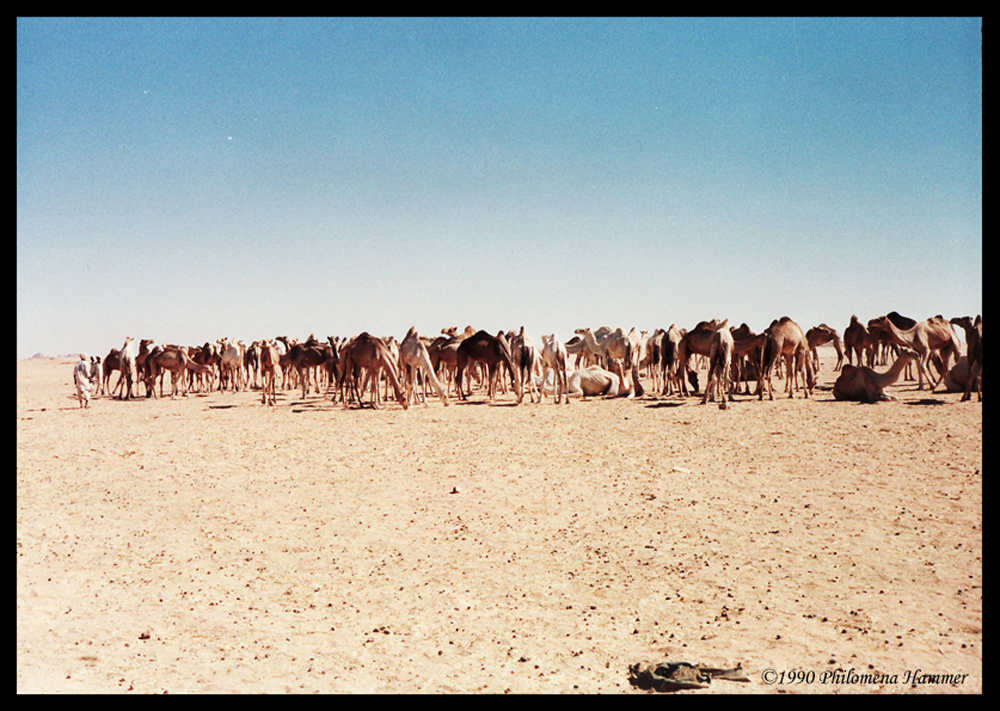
(211,544)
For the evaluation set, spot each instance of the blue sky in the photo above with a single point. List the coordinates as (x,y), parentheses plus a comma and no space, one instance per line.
(188,179)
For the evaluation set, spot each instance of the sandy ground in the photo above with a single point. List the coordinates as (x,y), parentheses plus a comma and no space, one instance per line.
(211,544)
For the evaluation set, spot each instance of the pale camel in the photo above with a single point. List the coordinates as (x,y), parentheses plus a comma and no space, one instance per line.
(369,354)
(819,335)
(924,337)
(416,361)
(859,341)
(594,381)
(490,350)
(974,350)
(720,358)
(614,346)
(863,384)
(268,371)
(126,378)
(554,357)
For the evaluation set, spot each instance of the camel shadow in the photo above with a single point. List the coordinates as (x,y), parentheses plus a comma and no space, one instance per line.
(926,401)
(656,405)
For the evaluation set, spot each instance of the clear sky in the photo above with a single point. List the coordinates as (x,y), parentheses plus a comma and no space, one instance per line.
(189,179)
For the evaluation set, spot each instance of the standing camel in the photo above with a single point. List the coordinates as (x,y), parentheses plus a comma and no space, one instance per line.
(858,340)
(786,340)
(554,357)
(974,350)
(924,337)
(489,350)
(817,336)
(416,360)
(367,353)
(695,342)
(268,371)
(127,377)
(720,358)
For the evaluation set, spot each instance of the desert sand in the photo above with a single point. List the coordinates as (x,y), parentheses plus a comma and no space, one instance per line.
(212,544)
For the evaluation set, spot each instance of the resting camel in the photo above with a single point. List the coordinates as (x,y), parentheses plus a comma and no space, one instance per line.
(786,340)
(554,357)
(593,381)
(268,358)
(365,352)
(858,340)
(720,358)
(974,349)
(489,350)
(415,359)
(862,384)
(925,336)
(817,336)
(615,346)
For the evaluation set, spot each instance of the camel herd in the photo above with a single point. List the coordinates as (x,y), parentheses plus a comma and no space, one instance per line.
(605,362)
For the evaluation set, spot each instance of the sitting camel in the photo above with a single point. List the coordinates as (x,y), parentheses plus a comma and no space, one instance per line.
(862,384)
(615,346)
(592,381)
(416,360)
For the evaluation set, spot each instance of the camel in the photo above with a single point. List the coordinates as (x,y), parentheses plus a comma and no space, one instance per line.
(696,341)
(303,357)
(974,349)
(858,340)
(230,364)
(141,371)
(175,360)
(415,359)
(593,381)
(924,337)
(126,378)
(670,366)
(863,384)
(748,353)
(268,359)
(615,346)
(112,362)
(525,358)
(720,358)
(819,335)
(489,350)
(786,340)
(371,354)
(554,357)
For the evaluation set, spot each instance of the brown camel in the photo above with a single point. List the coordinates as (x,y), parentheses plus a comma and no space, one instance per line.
(858,340)
(720,358)
(819,335)
(697,341)
(177,362)
(974,350)
(862,384)
(924,337)
(748,354)
(112,362)
(786,340)
(489,350)
(304,357)
(367,355)
(526,358)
